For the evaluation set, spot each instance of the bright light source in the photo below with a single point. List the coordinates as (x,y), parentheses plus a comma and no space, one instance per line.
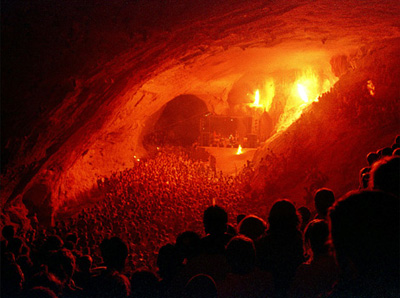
(302,92)
(239,151)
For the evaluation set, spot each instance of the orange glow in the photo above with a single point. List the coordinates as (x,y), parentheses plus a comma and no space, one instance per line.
(305,90)
(371,87)
(302,92)
(239,151)
(256,102)
(264,98)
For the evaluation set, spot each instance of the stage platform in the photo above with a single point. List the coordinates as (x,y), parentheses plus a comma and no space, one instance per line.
(228,161)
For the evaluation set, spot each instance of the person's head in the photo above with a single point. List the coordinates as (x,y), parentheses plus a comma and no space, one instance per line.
(241,254)
(252,226)
(215,219)
(53,243)
(305,215)
(62,264)
(323,199)
(387,151)
(84,263)
(72,237)
(364,177)
(144,284)
(372,157)
(200,286)
(385,175)
(188,244)
(365,233)
(316,236)
(169,261)
(8,232)
(114,253)
(283,216)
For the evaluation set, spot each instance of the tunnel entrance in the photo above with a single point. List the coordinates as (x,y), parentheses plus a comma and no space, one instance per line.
(178,123)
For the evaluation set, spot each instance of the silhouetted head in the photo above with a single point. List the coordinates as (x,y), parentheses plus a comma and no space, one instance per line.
(73,237)
(188,244)
(84,263)
(385,175)
(8,232)
(144,284)
(283,216)
(114,252)
(396,152)
(252,226)
(372,157)
(241,254)
(215,219)
(305,215)
(62,264)
(316,236)
(323,199)
(201,286)
(387,151)
(364,177)
(169,261)
(365,233)
(53,243)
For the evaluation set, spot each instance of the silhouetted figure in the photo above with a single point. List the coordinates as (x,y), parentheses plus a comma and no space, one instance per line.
(12,276)
(188,245)
(252,226)
(280,251)
(215,221)
(169,263)
(144,284)
(305,216)
(366,237)
(372,157)
(83,275)
(385,175)
(364,177)
(323,199)
(316,277)
(244,279)
(111,282)
(200,286)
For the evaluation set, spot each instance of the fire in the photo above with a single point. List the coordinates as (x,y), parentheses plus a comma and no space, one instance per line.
(302,92)
(239,151)
(256,102)
(305,90)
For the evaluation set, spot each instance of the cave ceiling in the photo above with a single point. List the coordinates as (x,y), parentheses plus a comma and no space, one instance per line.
(81,79)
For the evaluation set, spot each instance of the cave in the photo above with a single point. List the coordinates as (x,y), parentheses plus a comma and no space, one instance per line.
(84,85)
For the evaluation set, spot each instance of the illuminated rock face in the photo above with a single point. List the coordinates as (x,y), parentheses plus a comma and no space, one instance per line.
(82,84)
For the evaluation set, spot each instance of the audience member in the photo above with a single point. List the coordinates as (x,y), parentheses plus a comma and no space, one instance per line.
(323,199)
(365,233)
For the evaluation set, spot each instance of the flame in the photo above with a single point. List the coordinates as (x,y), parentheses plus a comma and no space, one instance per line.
(302,92)
(265,100)
(239,151)
(256,102)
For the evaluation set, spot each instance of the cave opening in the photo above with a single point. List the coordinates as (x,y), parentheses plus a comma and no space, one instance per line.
(178,122)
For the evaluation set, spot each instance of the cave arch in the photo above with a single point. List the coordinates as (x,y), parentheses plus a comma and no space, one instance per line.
(178,122)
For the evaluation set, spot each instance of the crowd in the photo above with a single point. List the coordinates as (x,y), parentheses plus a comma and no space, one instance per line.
(161,232)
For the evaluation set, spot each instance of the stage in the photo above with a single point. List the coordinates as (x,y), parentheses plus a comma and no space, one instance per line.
(228,161)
